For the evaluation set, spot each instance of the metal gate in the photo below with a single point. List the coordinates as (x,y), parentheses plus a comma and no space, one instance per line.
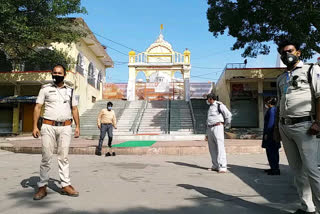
(244,113)
(6,117)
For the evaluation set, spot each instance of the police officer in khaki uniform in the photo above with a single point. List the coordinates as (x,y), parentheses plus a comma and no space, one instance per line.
(299,116)
(218,117)
(60,107)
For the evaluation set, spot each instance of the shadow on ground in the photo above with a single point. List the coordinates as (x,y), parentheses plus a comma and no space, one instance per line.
(188,165)
(273,188)
(276,189)
(32,182)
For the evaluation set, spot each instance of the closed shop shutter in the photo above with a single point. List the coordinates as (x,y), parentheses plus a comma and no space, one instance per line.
(6,115)
(244,113)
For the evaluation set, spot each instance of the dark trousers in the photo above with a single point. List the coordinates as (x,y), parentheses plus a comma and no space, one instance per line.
(105,128)
(273,157)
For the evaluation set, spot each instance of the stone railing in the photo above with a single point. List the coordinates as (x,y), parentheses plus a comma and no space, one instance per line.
(166,58)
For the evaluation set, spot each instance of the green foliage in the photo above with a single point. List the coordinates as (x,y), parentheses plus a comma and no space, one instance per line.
(256,22)
(27,24)
(5,64)
(45,59)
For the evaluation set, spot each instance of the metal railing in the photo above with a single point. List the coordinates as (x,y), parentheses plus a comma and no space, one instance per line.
(168,118)
(235,65)
(137,120)
(134,123)
(192,117)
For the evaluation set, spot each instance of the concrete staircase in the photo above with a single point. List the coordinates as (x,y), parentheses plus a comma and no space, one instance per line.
(200,111)
(154,118)
(180,118)
(128,117)
(88,120)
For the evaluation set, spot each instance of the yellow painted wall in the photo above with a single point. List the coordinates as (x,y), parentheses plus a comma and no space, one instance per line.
(79,82)
(223,90)
(253,73)
(82,88)
(15,120)
(27,119)
(223,84)
(36,77)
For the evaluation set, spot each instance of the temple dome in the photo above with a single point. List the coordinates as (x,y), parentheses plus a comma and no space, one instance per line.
(160,46)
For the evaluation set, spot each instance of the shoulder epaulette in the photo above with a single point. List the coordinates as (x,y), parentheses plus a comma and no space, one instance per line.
(68,86)
(46,85)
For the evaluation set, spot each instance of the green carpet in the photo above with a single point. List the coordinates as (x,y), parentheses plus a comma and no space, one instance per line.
(141,143)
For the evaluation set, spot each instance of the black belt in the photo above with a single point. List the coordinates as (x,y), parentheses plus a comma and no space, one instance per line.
(294,120)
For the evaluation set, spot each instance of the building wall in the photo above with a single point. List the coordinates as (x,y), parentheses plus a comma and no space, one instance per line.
(223,90)
(88,56)
(28,83)
(83,90)
(254,84)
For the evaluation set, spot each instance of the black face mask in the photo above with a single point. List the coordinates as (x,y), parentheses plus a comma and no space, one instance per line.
(289,59)
(57,79)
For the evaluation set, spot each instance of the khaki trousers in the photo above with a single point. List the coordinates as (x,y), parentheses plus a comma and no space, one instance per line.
(302,153)
(52,136)
(216,147)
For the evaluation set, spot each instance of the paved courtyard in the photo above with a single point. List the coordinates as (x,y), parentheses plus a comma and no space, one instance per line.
(129,184)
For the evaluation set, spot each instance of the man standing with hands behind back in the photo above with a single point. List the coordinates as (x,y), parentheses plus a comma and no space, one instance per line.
(60,108)
(218,117)
(298,90)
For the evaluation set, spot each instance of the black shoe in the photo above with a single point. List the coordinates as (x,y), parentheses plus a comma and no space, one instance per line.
(109,145)
(113,154)
(108,154)
(274,172)
(98,153)
(267,170)
(299,211)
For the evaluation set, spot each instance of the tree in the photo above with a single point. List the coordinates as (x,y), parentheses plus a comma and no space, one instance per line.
(44,59)
(5,64)
(254,23)
(28,24)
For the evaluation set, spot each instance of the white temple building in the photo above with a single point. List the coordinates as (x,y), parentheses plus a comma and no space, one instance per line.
(159,63)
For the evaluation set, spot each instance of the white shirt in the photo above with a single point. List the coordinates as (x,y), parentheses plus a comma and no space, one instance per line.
(56,102)
(215,117)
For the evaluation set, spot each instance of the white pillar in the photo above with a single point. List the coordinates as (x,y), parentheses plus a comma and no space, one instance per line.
(187,89)
(131,88)
(186,77)
(260,103)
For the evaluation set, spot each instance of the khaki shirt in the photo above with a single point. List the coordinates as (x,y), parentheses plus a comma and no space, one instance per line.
(297,100)
(215,117)
(56,102)
(106,116)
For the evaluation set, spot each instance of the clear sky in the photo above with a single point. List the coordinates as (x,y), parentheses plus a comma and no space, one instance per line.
(136,24)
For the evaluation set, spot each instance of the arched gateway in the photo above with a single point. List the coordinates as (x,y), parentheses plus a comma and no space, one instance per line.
(159,63)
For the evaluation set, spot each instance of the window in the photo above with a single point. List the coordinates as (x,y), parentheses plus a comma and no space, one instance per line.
(91,79)
(79,67)
(99,80)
